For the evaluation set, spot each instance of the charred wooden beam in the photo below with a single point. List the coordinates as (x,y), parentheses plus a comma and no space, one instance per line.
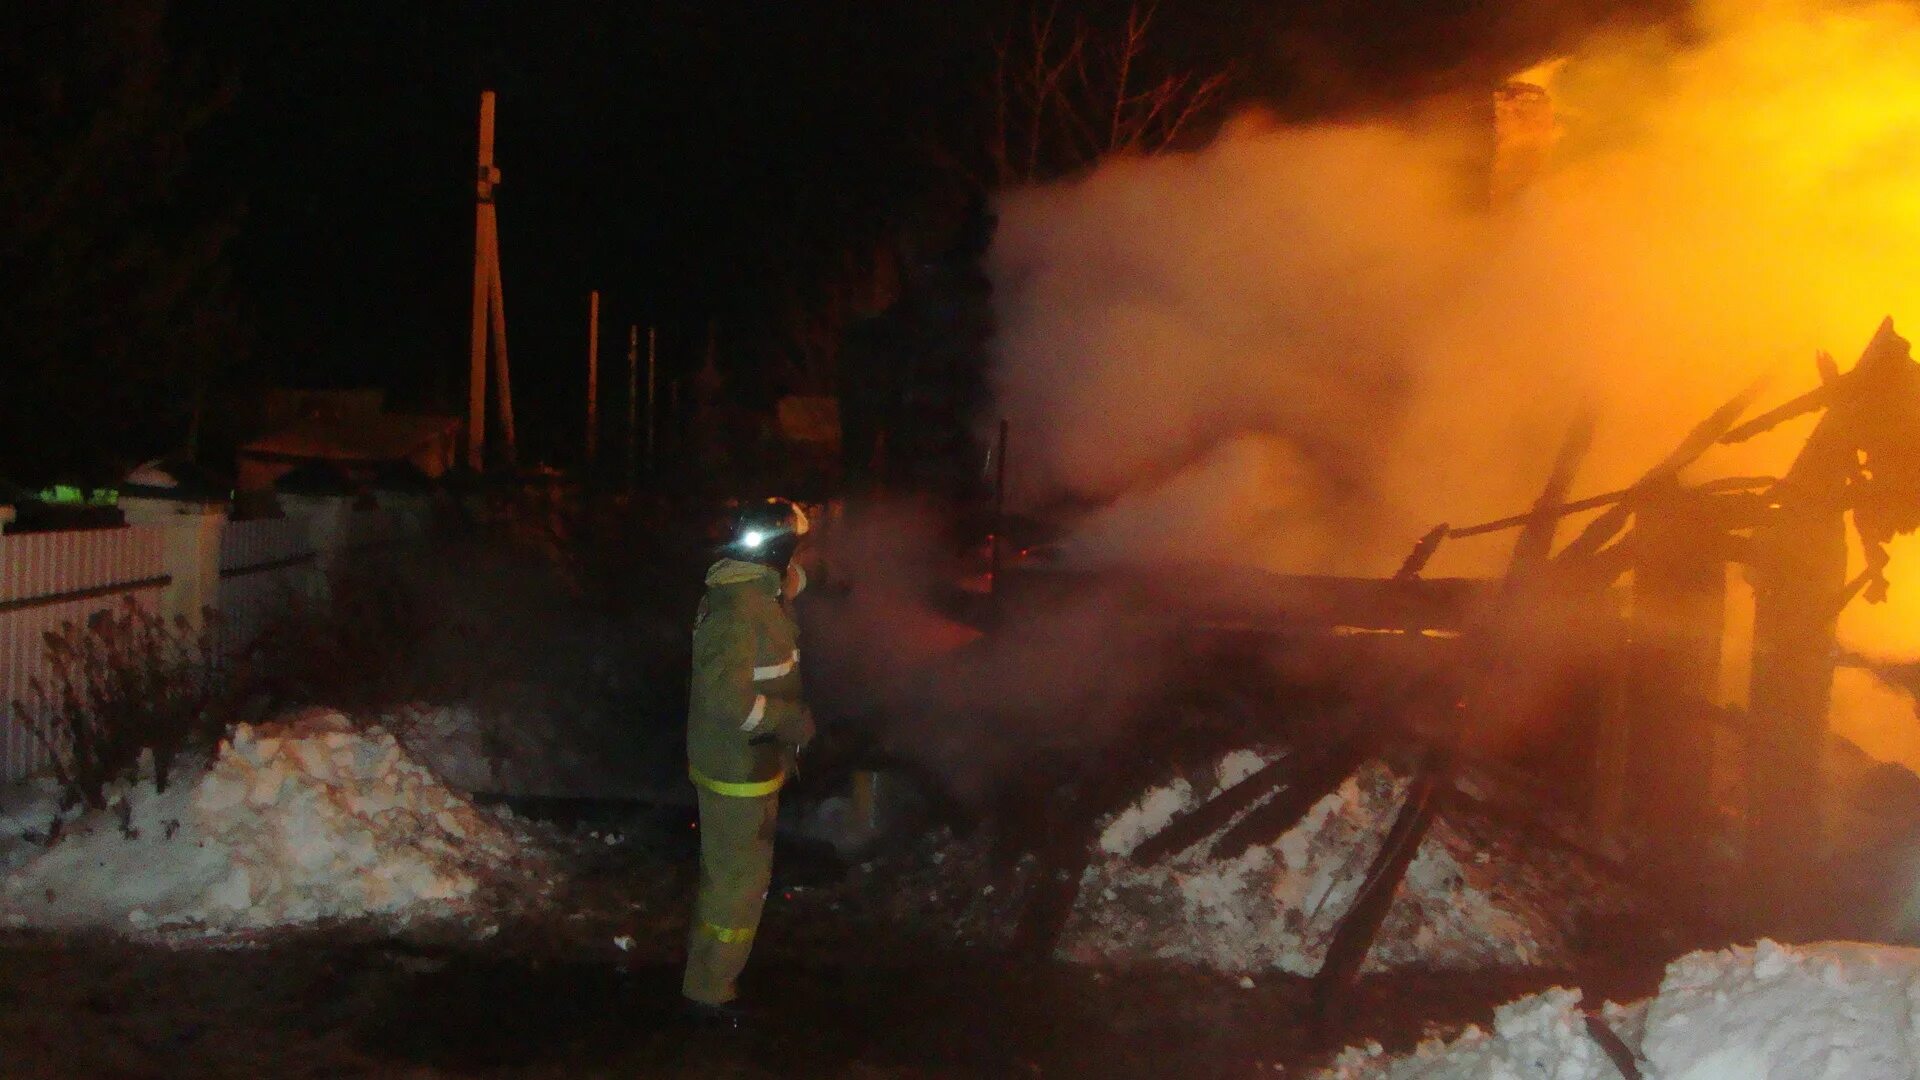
(1698,441)
(1069,828)
(1422,553)
(1799,561)
(1800,566)
(1209,817)
(1668,708)
(1595,502)
(1811,401)
(1353,936)
(1318,773)
(1834,388)
(1614,1047)
(1535,542)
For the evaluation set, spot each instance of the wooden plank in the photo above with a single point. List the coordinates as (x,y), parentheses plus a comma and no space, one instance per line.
(1320,772)
(1209,817)
(1422,553)
(1595,502)
(1353,937)
(1698,441)
(1615,1047)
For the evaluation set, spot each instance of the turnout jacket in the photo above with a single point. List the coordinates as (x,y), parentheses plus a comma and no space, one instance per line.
(745,703)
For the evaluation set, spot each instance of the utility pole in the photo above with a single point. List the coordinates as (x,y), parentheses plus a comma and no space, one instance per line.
(593,377)
(489,306)
(677,430)
(652,368)
(633,400)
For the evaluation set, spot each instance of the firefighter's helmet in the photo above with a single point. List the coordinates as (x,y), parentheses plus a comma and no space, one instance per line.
(766,531)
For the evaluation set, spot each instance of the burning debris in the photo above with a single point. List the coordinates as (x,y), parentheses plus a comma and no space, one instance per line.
(292,823)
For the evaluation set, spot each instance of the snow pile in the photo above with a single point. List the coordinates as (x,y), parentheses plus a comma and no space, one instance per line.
(1544,1036)
(291,823)
(1769,1012)
(29,812)
(1276,905)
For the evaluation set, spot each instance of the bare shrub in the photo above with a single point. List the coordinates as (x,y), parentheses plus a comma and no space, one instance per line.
(123,681)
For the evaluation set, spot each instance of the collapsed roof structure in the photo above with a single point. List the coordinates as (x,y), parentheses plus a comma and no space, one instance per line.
(1574,699)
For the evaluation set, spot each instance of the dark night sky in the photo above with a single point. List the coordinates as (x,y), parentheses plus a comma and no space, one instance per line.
(677,155)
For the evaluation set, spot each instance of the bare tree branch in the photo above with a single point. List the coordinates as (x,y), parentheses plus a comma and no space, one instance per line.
(1064,96)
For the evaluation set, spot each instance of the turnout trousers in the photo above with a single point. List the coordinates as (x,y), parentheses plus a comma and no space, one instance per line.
(736,865)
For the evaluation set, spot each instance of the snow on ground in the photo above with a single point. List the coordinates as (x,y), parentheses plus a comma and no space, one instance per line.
(1276,906)
(27,815)
(292,822)
(1766,1012)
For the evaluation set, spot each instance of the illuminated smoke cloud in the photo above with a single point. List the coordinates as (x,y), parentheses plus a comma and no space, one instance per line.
(1304,346)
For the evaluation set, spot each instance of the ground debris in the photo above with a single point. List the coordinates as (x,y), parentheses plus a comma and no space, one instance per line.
(1274,906)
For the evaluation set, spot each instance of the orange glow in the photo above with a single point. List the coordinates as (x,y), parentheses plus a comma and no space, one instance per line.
(1304,346)
(1782,158)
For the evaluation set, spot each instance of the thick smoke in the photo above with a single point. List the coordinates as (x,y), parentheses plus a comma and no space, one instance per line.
(1301,347)
(1255,348)
(1061,675)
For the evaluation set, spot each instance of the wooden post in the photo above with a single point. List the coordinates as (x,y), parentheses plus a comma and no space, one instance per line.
(1668,708)
(485,178)
(593,377)
(500,369)
(1799,572)
(489,299)
(652,366)
(675,429)
(633,402)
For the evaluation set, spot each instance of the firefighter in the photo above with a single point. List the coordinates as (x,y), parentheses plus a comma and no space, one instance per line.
(746,726)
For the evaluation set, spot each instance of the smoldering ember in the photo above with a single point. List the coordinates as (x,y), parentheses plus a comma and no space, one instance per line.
(1027,538)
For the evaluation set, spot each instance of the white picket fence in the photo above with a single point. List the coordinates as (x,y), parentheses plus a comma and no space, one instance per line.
(170,567)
